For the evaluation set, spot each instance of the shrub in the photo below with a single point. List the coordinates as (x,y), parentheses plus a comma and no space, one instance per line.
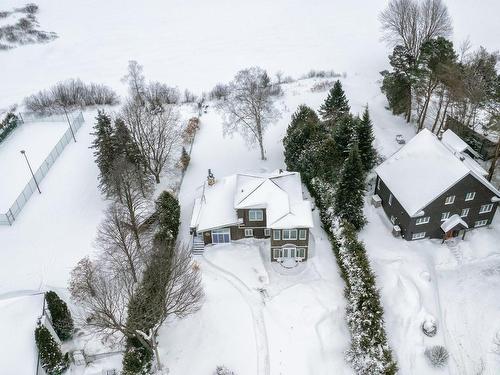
(223,370)
(60,314)
(168,214)
(320,74)
(322,86)
(437,355)
(185,159)
(220,91)
(7,125)
(137,359)
(192,127)
(429,327)
(51,357)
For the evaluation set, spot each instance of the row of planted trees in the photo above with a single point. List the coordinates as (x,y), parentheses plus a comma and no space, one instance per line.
(334,153)
(141,275)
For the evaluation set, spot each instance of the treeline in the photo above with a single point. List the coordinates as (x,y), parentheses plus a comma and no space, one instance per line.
(141,275)
(427,71)
(334,153)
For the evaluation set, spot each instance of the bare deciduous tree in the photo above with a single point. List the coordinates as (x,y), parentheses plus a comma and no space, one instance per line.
(249,107)
(156,132)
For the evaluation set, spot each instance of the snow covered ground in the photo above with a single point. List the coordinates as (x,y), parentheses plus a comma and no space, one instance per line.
(37,139)
(195,44)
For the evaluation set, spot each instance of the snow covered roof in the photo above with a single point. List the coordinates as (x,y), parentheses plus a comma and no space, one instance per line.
(425,168)
(280,193)
(18,320)
(452,222)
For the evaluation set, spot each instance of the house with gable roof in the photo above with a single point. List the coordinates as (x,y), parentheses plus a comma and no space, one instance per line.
(433,188)
(257,205)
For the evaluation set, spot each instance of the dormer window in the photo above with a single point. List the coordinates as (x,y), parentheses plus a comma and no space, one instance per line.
(255,215)
(450,199)
(470,196)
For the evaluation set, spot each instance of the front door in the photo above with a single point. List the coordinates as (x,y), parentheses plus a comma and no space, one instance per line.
(288,252)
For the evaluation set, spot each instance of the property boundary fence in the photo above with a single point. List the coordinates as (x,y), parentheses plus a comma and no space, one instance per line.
(9,217)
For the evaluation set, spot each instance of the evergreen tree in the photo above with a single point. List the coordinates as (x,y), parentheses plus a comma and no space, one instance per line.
(349,190)
(168,215)
(51,357)
(335,105)
(185,159)
(344,135)
(364,130)
(104,152)
(300,132)
(60,314)
(124,145)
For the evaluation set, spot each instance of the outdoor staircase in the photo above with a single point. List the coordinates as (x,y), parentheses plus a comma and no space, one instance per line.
(198,246)
(455,250)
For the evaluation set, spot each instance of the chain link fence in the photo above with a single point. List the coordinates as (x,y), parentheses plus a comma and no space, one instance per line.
(9,217)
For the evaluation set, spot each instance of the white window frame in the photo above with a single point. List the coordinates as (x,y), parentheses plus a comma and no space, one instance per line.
(422,220)
(302,234)
(390,199)
(470,196)
(449,200)
(276,234)
(480,223)
(485,208)
(267,232)
(255,212)
(378,183)
(248,232)
(465,212)
(221,231)
(300,250)
(445,216)
(277,253)
(418,236)
(393,219)
(289,237)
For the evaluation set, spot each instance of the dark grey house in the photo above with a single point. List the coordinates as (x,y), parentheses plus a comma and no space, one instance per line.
(432,188)
(268,205)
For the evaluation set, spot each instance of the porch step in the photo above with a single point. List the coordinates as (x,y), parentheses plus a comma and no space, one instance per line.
(198,247)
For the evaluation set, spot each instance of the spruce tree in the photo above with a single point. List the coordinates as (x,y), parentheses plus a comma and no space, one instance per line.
(349,190)
(344,136)
(168,214)
(300,132)
(60,314)
(335,105)
(51,357)
(364,130)
(104,152)
(124,145)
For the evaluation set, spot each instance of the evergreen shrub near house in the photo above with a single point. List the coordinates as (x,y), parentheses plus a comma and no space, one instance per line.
(223,370)
(60,315)
(51,358)
(184,160)
(7,125)
(168,214)
(437,356)
(338,194)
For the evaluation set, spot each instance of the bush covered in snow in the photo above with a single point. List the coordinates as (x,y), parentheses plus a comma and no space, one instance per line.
(190,131)
(51,357)
(429,326)
(7,125)
(223,370)
(437,355)
(60,314)
(184,160)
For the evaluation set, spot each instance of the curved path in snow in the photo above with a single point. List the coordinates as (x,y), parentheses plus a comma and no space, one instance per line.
(254,303)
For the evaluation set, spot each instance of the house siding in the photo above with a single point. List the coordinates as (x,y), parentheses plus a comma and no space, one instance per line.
(277,244)
(243,214)
(395,209)
(459,190)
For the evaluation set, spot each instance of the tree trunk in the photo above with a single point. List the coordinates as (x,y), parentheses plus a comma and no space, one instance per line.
(441,98)
(261,141)
(444,115)
(157,178)
(491,172)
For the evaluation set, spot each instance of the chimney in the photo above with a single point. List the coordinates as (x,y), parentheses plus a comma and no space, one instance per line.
(210,178)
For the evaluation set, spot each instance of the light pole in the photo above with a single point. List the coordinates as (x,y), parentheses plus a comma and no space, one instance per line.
(31,170)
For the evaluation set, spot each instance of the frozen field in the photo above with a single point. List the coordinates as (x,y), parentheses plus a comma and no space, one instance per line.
(37,139)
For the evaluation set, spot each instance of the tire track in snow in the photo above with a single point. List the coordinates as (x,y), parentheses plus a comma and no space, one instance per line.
(254,303)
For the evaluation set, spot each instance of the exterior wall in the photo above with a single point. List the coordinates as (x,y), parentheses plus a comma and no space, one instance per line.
(459,190)
(395,209)
(298,243)
(243,214)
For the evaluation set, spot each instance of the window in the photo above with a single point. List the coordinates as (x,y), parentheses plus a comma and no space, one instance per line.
(418,236)
(255,215)
(486,208)
(284,252)
(289,234)
(423,220)
(470,196)
(449,200)
(444,216)
(480,223)
(248,232)
(302,234)
(221,235)
(276,234)
(267,232)
(378,183)
(276,253)
(301,252)
(390,199)
(465,212)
